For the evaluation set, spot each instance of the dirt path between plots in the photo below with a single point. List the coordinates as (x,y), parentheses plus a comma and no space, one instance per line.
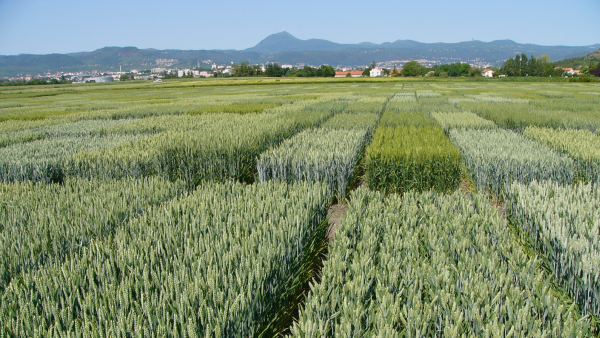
(468,189)
(335,214)
(501,209)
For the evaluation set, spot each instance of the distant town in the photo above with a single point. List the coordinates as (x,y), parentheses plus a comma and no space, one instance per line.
(160,69)
(167,68)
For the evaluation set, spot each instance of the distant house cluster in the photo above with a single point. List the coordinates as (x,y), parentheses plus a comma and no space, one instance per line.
(375,72)
(193,72)
(570,71)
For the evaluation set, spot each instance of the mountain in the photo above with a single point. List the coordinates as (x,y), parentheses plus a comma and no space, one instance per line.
(286,42)
(492,51)
(284,48)
(403,44)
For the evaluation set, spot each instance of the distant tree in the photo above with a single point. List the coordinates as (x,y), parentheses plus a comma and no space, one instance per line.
(274,70)
(373,65)
(442,69)
(319,71)
(290,72)
(523,66)
(387,71)
(123,77)
(367,71)
(496,72)
(524,62)
(474,71)
(257,70)
(326,71)
(464,69)
(454,69)
(244,69)
(595,72)
(517,65)
(545,58)
(307,71)
(349,74)
(36,82)
(585,70)
(413,68)
(548,69)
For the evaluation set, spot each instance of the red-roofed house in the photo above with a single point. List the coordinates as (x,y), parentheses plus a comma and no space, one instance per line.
(487,72)
(353,73)
(569,71)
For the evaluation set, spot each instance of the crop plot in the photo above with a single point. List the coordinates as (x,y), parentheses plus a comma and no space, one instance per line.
(496,158)
(430,265)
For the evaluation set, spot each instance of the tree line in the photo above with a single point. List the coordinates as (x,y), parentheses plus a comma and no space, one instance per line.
(414,68)
(245,69)
(33,82)
(521,65)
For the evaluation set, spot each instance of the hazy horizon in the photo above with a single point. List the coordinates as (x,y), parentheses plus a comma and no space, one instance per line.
(68,26)
(125,46)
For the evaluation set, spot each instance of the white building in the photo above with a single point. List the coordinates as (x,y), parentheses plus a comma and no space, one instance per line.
(100,79)
(182,72)
(376,72)
(205,73)
(487,73)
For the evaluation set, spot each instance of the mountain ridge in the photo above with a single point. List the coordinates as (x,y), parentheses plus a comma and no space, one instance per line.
(286,42)
(285,48)
(593,55)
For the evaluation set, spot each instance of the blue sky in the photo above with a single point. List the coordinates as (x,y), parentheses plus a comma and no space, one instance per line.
(63,26)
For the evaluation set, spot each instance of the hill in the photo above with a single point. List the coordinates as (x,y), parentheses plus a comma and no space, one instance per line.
(578,62)
(285,48)
(26,63)
(595,55)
